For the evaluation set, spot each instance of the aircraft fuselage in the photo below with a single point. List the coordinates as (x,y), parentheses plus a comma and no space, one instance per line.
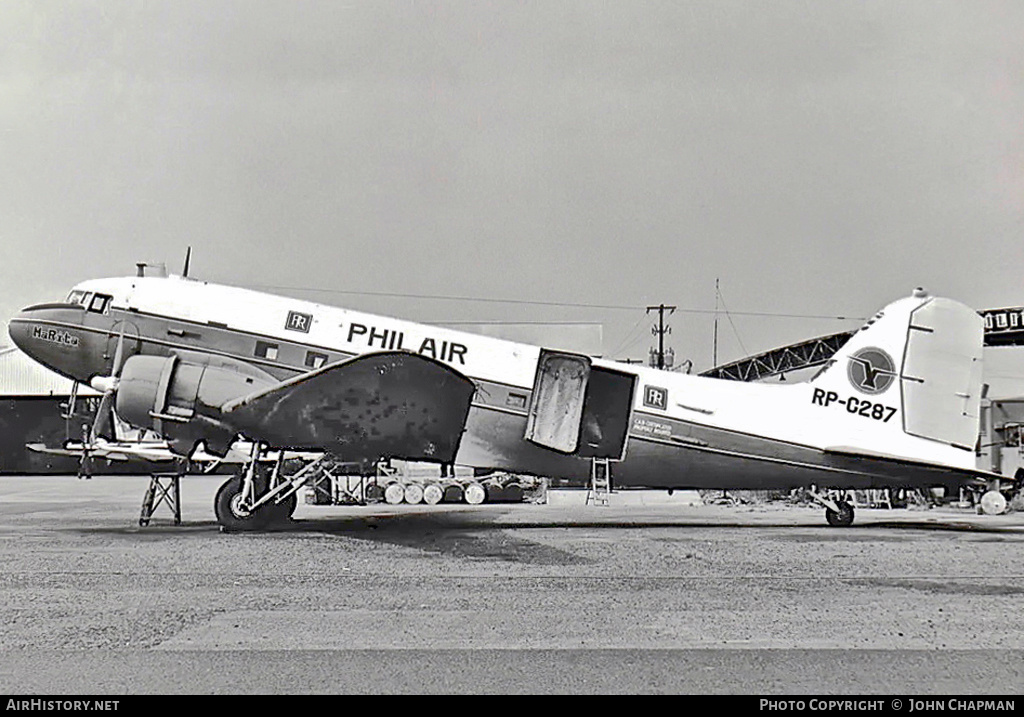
(677,430)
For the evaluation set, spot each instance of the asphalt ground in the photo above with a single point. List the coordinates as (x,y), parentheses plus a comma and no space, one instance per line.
(647,595)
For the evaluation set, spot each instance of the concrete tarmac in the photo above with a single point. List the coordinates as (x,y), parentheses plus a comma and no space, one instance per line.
(648,595)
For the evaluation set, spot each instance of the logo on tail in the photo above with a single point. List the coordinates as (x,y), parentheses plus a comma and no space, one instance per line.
(871,370)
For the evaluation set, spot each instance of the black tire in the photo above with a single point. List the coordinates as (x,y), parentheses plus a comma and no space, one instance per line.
(281,513)
(229,517)
(841,519)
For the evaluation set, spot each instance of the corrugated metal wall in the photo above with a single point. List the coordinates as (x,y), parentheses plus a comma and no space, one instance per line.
(21,376)
(32,401)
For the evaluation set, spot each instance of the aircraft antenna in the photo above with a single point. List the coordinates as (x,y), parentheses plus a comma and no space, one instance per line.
(188,257)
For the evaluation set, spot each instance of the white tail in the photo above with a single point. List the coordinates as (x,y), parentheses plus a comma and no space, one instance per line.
(920,357)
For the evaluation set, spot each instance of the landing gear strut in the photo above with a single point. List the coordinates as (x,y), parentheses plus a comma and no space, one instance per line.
(231,508)
(258,496)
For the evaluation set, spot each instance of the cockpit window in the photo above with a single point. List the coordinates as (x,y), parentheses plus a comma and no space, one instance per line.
(76,297)
(100,303)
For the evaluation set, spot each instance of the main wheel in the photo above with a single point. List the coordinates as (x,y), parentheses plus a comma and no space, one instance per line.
(841,519)
(278,513)
(227,506)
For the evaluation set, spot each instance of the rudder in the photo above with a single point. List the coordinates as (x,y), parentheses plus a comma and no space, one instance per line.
(941,376)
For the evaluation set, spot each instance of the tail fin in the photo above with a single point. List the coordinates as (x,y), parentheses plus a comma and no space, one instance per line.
(922,354)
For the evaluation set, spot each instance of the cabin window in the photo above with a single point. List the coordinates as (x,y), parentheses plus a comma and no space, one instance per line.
(315,360)
(267,350)
(100,303)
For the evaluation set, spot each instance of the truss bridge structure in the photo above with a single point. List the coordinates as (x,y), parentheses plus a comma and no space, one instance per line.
(1003,327)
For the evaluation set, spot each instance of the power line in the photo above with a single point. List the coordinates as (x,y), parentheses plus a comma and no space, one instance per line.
(527,302)
(623,345)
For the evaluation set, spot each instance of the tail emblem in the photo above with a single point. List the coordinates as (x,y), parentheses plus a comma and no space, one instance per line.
(871,370)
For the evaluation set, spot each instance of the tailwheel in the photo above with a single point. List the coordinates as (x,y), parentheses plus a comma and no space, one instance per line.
(841,518)
(231,511)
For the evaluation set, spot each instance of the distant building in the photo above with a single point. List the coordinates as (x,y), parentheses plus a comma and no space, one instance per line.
(578,337)
(33,406)
(1001,446)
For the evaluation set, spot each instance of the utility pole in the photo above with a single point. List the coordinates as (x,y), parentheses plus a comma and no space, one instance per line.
(714,340)
(660,330)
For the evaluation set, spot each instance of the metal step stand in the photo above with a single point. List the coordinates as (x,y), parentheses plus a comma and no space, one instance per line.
(600,482)
(164,488)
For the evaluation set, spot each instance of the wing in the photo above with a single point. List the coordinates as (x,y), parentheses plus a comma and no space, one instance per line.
(379,405)
(69,451)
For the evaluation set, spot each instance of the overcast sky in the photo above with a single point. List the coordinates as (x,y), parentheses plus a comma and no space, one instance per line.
(817,158)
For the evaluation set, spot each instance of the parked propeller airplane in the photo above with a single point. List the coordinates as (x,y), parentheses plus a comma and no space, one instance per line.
(204,365)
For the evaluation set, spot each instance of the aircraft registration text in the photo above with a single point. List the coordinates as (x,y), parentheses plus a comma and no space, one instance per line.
(868,409)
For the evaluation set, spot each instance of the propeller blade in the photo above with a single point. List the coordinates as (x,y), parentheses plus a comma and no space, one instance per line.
(100,424)
(188,256)
(119,352)
(103,421)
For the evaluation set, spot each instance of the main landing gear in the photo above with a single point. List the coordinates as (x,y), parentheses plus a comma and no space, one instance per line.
(838,509)
(259,496)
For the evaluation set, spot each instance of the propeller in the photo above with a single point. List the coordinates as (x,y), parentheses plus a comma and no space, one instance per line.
(102,420)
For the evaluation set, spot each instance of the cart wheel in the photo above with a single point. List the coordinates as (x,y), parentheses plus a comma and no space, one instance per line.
(993,503)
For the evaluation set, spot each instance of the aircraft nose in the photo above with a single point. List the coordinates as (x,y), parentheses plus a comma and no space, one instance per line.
(53,335)
(19,329)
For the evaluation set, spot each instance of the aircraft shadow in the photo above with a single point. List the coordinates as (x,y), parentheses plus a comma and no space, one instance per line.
(481,535)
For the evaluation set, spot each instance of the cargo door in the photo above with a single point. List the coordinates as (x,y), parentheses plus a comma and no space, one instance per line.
(606,413)
(556,407)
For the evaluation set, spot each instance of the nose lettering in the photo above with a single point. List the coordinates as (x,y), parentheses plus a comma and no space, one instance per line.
(55,336)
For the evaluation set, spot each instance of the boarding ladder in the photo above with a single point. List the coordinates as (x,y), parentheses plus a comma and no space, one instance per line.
(600,481)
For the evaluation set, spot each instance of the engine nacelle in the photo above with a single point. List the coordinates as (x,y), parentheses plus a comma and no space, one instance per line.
(181,400)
